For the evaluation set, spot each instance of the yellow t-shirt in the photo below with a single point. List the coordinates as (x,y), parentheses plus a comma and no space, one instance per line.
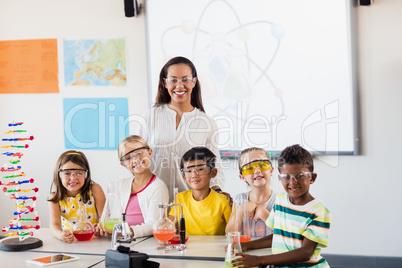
(206,217)
(69,211)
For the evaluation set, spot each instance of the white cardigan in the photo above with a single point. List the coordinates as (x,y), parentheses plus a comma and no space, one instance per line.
(169,144)
(148,199)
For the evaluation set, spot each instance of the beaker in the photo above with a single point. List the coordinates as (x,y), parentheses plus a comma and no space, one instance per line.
(112,211)
(233,247)
(83,230)
(163,229)
(241,219)
(245,226)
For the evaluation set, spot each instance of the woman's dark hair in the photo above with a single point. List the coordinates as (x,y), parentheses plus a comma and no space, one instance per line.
(77,158)
(163,96)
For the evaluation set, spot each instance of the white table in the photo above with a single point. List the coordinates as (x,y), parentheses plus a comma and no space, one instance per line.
(202,251)
(18,259)
(199,247)
(95,246)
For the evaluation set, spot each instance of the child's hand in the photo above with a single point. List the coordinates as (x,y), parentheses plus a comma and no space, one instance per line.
(102,231)
(249,208)
(244,246)
(67,236)
(97,229)
(245,260)
(261,213)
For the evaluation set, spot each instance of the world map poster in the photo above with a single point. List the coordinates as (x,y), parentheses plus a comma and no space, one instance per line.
(95,62)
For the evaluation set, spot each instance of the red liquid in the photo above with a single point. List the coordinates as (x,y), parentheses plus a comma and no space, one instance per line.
(164,235)
(176,239)
(83,235)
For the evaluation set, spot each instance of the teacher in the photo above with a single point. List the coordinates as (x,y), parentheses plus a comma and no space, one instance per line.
(177,123)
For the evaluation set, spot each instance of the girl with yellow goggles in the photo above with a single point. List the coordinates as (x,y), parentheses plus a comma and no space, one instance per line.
(250,167)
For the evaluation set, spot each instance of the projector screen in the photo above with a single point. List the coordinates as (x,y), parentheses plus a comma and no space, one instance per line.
(272,73)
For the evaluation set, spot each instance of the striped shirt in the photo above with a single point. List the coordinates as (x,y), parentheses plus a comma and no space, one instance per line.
(293,223)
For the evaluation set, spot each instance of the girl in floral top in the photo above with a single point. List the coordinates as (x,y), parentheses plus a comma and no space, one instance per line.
(73,187)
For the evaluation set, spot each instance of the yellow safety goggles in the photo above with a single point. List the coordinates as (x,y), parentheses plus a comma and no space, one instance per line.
(249,168)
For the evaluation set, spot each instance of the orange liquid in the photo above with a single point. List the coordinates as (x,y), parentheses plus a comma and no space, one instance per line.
(164,235)
(243,238)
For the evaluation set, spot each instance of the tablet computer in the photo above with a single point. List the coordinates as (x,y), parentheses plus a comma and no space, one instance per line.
(55,259)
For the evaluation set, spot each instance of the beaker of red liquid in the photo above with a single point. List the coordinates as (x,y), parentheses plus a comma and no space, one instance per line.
(83,230)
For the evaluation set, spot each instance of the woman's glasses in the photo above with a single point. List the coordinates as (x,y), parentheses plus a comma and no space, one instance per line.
(133,154)
(68,173)
(299,176)
(175,81)
(200,170)
(250,167)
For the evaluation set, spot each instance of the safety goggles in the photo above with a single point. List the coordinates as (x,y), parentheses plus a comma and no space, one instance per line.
(250,167)
(299,176)
(68,173)
(200,170)
(133,154)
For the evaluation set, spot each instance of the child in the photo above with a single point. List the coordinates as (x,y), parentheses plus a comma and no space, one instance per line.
(74,187)
(141,193)
(300,222)
(206,211)
(256,170)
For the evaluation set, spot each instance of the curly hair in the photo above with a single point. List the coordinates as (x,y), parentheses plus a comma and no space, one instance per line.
(296,155)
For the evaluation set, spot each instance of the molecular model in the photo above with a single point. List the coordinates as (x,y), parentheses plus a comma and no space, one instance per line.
(16,186)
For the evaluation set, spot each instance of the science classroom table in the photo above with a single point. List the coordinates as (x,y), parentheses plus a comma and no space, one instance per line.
(202,251)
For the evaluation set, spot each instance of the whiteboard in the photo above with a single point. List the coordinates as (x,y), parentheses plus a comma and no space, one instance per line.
(273,72)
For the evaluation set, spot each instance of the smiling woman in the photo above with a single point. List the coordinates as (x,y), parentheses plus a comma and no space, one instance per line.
(178,123)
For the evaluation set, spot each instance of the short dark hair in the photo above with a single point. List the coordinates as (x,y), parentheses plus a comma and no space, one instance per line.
(163,97)
(199,153)
(296,155)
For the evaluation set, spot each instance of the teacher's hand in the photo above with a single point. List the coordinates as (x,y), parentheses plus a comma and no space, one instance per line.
(219,191)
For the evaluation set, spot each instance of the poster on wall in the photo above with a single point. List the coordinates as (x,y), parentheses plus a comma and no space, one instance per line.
(95,123)
(29,66)
(99,62)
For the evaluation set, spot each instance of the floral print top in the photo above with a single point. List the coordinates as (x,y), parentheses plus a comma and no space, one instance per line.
(69,209)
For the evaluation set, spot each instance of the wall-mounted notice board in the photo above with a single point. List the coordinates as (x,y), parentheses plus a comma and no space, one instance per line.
(273,73)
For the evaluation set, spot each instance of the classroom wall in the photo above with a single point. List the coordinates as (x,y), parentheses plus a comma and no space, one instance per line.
(362,192)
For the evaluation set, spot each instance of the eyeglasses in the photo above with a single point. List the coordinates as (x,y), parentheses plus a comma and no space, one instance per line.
(249,168)
(78,173)
(175,81)
(200,170)
(299,176)
(125,159)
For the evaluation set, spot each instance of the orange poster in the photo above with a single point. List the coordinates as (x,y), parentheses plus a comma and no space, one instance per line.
(29,66)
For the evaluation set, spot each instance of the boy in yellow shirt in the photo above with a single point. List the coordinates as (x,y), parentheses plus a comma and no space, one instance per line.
(206,211)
